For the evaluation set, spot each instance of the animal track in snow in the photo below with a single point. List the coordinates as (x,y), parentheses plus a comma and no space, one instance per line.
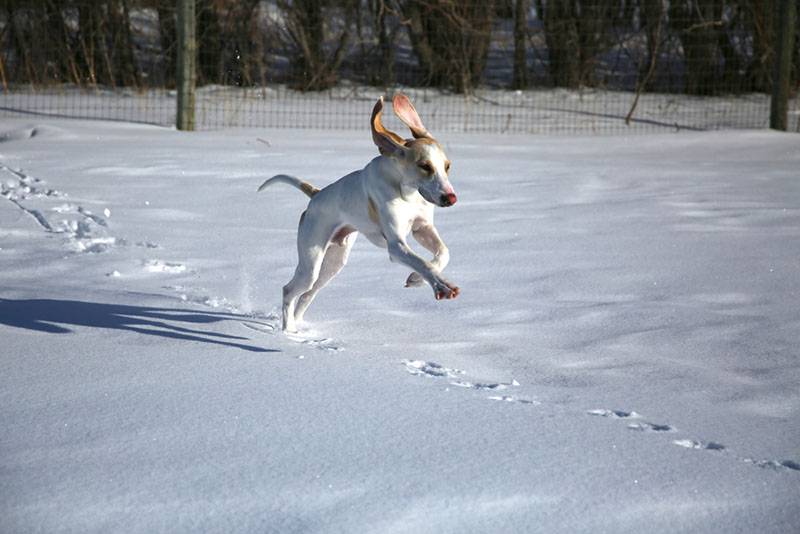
(642,426)
(493,386)
(159,266)
(509,398)
(436,370)
(431,369)
(651,427)
(713,446)
(700,445)
(777,465)
(614,414)
(21,188)
(85,231)
(92,217)
(774,465)
(324,343)
(82,237)
(64,208)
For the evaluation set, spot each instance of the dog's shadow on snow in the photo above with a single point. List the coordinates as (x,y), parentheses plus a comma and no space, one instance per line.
(57,316)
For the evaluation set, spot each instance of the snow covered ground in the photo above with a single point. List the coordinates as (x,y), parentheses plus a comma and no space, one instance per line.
(623,356)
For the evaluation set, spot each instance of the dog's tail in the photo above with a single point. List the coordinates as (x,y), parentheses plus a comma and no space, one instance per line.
(303,186)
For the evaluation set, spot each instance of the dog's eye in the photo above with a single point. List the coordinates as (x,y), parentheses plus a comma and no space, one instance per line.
(446,166)
(426,167)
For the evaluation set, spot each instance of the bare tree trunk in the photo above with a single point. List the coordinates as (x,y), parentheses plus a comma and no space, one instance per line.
(307,30)
(594,20)
(385,71)
(53,42)
(3,50)
(256,52)
(93,56)
(315,70)
(209,41)
(426,57)
(25,69)
(732,80)
(451,40)
(563,42)
(520,79)
(124,60)
(654,21)
(130,45)
(167,32)
(576,33)
(3,78)
(697,23)
(70,53)
(759,15)
(652,15)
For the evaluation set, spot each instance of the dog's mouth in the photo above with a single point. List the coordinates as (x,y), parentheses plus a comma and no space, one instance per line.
(443,200)
(447,199)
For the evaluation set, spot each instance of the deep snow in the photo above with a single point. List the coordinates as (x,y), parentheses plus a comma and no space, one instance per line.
(623,356)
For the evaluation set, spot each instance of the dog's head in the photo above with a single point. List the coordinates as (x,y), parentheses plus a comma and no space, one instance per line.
(424,163)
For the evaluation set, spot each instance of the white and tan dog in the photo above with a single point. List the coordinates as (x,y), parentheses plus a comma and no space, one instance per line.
(392,196)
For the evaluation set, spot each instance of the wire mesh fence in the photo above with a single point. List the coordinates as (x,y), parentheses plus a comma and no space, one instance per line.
(526,66)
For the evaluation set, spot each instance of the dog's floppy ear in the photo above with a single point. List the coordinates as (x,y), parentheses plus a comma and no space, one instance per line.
(404,109)
(388,142)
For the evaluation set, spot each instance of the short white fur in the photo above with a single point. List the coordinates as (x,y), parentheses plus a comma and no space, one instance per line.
(390,198)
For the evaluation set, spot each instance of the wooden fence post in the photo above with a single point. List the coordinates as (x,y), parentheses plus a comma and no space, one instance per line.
(782,72)
(186,75)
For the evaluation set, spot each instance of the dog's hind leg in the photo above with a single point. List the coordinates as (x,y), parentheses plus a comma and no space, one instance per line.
(335,258)
(312,242)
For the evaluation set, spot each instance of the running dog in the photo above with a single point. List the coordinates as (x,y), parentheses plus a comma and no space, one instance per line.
(392,196)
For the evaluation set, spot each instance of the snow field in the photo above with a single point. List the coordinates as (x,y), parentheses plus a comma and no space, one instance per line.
(623,355)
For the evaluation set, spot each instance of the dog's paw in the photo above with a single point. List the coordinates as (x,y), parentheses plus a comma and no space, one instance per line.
(414,280)
(445,290)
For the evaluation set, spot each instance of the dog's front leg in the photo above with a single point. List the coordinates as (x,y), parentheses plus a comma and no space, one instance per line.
(399,251)
(427,236)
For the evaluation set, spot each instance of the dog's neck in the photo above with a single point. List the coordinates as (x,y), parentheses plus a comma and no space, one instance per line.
(393,171)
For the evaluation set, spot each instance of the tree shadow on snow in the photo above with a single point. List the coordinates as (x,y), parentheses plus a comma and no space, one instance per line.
(56,316)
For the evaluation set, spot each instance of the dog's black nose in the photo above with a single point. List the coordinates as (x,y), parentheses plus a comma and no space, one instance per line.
(448,199)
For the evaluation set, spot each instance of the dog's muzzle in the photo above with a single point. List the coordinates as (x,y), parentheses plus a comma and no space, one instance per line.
(447,199)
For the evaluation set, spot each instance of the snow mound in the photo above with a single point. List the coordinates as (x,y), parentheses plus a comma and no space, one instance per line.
(39,132)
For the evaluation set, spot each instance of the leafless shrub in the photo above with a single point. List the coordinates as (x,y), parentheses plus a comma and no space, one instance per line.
(450,39)
(693,46)
(231,43)
(307,33)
